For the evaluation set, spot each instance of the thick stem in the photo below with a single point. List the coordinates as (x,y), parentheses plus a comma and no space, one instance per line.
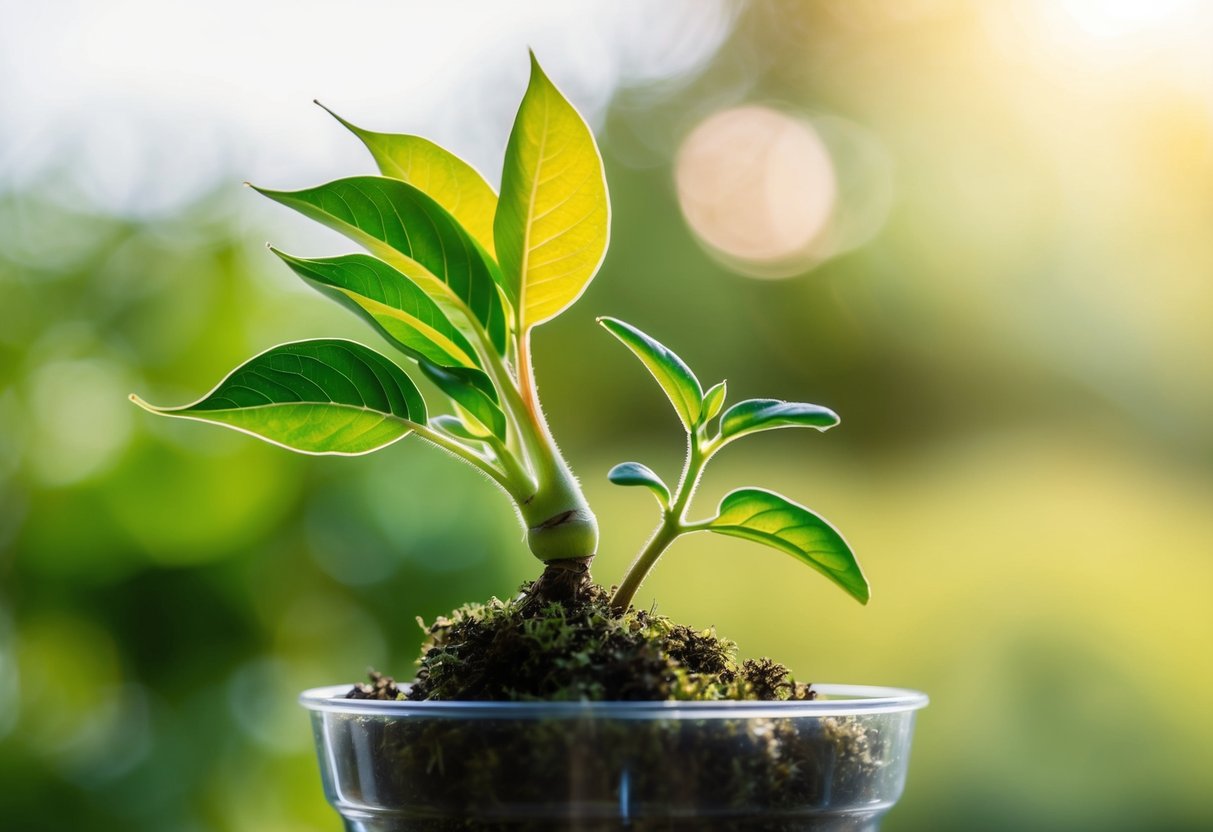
(559,522)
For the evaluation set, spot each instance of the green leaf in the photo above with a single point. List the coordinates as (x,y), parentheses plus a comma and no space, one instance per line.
(472,390)
(713,400)
(326,396)
(634,473)
(396,306)
(765,517)
(410,231)
(671,372)
(754,415)
(554,216)
(453,183)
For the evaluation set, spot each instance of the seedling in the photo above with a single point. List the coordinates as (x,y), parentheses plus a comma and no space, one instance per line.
(456,278)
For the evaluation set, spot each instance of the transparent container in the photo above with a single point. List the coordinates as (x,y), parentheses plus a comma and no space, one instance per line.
(834,763)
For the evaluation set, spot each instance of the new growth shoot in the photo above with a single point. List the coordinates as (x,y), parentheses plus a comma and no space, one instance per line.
(750,513)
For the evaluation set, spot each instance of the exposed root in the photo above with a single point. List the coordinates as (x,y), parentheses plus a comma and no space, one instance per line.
(565,581)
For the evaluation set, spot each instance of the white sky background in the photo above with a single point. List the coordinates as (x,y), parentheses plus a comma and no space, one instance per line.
(145,105)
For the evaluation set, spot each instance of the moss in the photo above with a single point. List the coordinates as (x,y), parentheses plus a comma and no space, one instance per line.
(584,650)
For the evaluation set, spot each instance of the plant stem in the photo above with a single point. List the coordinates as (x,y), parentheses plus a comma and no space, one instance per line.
(526,379)
(673,523)
(560,524)
(468,455)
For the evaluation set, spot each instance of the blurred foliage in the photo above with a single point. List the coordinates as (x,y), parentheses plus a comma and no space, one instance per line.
(1024,465)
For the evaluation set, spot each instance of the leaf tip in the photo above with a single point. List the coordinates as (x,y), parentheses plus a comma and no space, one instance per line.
(538,76)
(134,398)
(347,125)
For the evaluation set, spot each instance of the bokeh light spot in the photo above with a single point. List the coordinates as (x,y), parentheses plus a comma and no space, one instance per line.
(81,419)
(256,694)
(73,721)
(758,188)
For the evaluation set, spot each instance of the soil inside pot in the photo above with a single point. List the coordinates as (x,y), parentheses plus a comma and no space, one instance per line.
(583,650)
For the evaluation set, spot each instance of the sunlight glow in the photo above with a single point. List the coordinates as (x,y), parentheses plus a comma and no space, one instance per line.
(147,106)
(758,188)
(1119,18)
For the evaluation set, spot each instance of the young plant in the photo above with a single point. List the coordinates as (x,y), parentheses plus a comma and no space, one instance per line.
(749,513)
(455,278)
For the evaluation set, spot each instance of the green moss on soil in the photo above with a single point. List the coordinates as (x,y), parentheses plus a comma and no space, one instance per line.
(580,650)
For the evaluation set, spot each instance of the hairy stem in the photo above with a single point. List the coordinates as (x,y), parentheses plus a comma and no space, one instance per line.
(468,455)
(559,522)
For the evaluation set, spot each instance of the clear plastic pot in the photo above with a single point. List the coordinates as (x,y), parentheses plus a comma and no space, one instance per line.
(834,763)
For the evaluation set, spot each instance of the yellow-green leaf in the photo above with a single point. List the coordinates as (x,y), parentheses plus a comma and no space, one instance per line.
(410,231)
(670,371)
(766,517)
(713,400)
(637,473)
(472,390)
(753,415)
(326,396)
(453,183)
(392,303)
(554,215)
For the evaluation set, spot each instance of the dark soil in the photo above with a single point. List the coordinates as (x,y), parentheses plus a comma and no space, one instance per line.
(579,650)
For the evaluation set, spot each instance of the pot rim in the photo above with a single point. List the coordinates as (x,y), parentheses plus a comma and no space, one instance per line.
(839,700)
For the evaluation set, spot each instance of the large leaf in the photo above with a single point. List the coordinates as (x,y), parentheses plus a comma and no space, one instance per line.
(453,183)
(753,415)
(553,218)
(472,390)
(401,225)
(320,397)
(394,305)
(765,517)
(671,372)
(635,473)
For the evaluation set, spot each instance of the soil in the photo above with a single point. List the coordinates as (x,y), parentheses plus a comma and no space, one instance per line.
(461,775)
(579,649)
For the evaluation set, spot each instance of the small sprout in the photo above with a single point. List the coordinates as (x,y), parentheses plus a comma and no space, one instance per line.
(754,415)
(750,513)
(670,371)
(713,401)
(634,473)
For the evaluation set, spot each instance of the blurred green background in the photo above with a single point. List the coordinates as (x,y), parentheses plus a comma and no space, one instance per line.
(980,232)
